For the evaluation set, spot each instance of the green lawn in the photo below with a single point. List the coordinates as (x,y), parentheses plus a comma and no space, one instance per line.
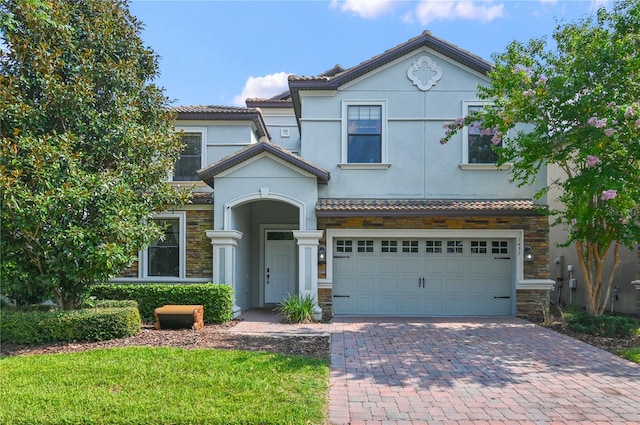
(163,386)
(632,354)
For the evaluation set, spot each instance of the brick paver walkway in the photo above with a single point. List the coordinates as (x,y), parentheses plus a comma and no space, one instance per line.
(266,322)
(474,371)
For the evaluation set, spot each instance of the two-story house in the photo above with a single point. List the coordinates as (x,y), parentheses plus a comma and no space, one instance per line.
(339,188)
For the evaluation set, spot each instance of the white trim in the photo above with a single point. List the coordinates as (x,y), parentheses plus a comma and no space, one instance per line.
(516,234)
(536,284)
(144,255)
(203,148)
(263,194)
(262,155)
(486,167)
(636,284)
(383,132)
(364,166)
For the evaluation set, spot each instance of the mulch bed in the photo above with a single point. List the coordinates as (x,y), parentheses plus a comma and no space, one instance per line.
(211,336)
(215,336)
(613,345)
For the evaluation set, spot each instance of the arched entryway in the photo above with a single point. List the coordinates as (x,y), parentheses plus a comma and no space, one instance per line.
(272,252)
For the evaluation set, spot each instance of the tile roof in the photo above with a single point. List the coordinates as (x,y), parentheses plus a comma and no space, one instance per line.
(222,113)
(333,80)
(202,198)
(208,109)
(386,207)
(208,173)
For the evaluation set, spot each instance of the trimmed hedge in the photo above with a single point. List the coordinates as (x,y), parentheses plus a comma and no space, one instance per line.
(605,325)
(217,299)
(90,324)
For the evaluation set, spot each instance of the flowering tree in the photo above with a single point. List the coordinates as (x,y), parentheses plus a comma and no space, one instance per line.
(86,141)
(581,103)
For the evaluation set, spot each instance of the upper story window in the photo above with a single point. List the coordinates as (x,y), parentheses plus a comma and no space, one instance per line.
(192,157)
(477,144)
(364,133)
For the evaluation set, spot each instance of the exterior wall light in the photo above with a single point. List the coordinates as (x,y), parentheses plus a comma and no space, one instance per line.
(529,256)
(322,254)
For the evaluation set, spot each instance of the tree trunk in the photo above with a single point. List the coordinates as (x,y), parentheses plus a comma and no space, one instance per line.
(65,300)
(592,262)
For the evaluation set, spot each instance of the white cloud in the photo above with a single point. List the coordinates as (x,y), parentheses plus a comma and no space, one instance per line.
(367,9)
(485,11)
(263,87)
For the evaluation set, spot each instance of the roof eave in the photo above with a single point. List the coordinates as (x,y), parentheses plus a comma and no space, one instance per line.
(208,174)
(254,116)
(421,213)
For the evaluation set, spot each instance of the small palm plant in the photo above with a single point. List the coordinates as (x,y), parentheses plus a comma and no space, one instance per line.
(297,308)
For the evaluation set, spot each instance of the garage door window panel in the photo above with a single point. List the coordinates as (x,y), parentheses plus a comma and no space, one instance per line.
(478,247)
(389,246)
(344,246)
(434,247)
(410,247)
(365,246)
(455,247)
(499,247)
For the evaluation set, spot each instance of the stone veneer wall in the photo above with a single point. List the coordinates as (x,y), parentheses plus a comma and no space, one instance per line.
(199,249)
(199,253)
(529,303)
(536,235)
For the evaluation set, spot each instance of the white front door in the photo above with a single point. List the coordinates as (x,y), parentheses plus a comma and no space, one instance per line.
(280,266)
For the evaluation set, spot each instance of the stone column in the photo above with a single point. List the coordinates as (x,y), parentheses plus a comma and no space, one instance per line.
(308,241)
(224,259)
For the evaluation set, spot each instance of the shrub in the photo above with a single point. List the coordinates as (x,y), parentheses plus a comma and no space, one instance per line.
(92,324)
(297,308)
(608,326)
(217,299)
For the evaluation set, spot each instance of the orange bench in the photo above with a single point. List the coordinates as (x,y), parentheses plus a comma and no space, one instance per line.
(179,316)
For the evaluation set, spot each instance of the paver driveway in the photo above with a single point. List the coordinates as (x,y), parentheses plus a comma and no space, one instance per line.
(474,371)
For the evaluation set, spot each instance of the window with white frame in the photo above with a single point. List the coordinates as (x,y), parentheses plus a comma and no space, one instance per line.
(165,257)
(477,145)
(364,132)
(192,156)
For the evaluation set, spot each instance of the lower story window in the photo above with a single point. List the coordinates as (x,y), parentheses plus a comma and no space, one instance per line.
(165,256)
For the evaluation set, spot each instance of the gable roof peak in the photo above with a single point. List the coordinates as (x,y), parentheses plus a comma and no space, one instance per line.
(209,173)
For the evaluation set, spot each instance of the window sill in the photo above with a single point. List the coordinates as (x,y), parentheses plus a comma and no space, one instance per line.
(485,167)
(364,166)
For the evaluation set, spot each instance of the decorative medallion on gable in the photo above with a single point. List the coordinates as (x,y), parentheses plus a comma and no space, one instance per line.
(424,73)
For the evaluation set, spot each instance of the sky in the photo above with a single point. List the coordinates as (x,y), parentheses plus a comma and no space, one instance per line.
(215,52)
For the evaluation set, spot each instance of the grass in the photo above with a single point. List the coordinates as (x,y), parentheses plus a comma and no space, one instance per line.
(163,386)
(632,354)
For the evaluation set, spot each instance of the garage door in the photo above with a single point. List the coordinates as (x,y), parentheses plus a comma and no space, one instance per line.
(423,277)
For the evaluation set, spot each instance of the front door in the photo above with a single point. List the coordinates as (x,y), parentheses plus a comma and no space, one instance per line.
(280,266)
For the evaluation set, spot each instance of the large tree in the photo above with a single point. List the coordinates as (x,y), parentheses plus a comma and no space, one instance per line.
(86,144)
(581,101)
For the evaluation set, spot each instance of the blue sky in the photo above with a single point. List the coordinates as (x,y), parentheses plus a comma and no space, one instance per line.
(221,52)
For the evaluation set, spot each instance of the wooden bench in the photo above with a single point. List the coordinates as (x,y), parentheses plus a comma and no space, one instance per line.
(179,316)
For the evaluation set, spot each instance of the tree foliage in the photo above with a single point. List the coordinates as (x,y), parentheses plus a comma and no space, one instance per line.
(86,142)
(581,101)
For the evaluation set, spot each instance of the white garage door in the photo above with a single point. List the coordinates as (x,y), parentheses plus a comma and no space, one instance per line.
(439,277)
